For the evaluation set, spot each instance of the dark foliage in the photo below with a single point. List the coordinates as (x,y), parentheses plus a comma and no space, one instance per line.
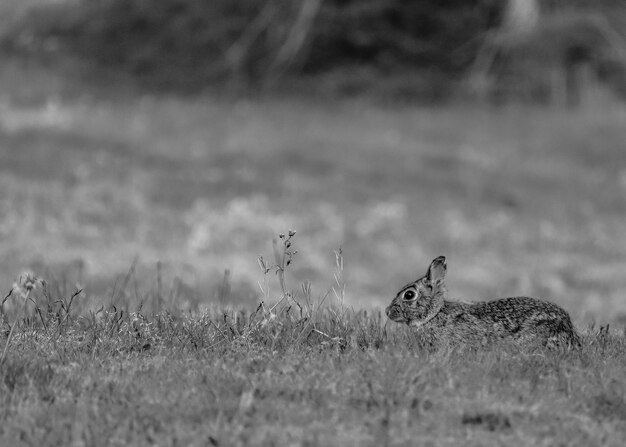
(425,47)
(192,43)
(442,36)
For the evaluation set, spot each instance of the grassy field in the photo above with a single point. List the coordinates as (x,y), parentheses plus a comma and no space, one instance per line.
(522,200)
(144,201)
(294,374)
(156,208)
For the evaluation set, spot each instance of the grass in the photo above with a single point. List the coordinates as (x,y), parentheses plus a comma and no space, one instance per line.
(245,394)
(296,373)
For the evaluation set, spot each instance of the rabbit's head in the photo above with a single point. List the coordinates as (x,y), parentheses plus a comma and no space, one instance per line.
(419,302)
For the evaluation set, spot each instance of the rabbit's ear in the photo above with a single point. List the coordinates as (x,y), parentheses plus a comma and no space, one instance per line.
(437,270)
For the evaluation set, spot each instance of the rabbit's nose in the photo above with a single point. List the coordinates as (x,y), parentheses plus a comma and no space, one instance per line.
(389,311)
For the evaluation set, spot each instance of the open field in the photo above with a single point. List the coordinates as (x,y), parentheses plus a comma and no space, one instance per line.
(157,208)
(522,200)
(299,375)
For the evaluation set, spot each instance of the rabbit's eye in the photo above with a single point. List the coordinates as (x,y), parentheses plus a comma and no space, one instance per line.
(409,295)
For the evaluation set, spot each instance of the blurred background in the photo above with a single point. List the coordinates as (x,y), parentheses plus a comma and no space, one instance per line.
(154,148)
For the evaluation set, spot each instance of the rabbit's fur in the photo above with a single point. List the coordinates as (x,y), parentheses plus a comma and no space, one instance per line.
(423,303)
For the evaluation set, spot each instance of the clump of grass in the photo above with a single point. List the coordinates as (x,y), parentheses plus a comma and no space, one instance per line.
(296,317)
(290,319)
(287,318)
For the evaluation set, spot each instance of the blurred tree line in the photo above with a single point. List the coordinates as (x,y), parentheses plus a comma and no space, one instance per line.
(433,48)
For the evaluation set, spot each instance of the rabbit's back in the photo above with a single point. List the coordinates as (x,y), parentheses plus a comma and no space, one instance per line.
(519,318)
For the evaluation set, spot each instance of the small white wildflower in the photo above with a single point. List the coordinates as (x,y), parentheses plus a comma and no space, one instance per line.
(26,283)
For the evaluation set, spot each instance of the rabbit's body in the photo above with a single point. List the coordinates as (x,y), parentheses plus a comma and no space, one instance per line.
(523,320)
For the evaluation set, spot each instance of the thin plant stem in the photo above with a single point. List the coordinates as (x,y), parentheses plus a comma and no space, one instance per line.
(6,346)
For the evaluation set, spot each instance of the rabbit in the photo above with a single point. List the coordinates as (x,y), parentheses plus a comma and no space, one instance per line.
(424,304)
